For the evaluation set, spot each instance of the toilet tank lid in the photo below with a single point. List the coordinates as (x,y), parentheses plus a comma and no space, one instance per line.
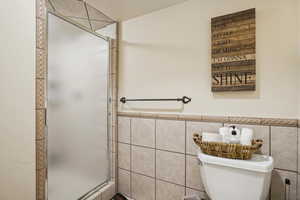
(258,163)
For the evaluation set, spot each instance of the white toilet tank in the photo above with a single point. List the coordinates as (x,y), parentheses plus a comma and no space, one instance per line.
(229,179)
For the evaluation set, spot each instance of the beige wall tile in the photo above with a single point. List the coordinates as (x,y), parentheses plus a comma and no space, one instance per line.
(40,93)
(113,83)
(40,124)
(99,197)
(200,194)
(167,116)
(219,119)
(41,63)
(113,115)
(143,188)
(124,182)
(170,167)
(129,114)
(113,132)
(143,160)
(114,59)
(109,192)
(168,191)
(124,156)
(193,177)
(284,147)
(260,132)
(198,127)
(40,184)
(299,153)
(124,129)
(40,154)
(114,44)
(143,132)
(113,165)
(245,120)
(281,191)
(298,187)
(112,146)
(41,36)
(279,122)
(170,135)
(41,9)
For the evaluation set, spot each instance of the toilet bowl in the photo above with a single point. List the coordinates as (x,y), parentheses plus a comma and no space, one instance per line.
(229,179)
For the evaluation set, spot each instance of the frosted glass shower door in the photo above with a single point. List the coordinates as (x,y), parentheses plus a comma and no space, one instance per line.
(77,124)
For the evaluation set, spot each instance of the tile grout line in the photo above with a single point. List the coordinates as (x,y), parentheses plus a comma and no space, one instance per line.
(297,154)
(117,154)
(130,140)
(185,156)
(286,170)
(136,172)
(159,179)
(162,180)
(270,149)
(270,140)
(155,184)
(130,157)
(146,147)
(195,189)
(297,179)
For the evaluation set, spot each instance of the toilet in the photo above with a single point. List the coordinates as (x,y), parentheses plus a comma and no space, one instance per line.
(229,179)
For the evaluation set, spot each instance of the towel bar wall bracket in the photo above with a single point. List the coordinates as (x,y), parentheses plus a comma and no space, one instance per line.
(184,99)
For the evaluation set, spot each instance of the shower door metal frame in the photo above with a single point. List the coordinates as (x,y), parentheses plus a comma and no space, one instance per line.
(109,105)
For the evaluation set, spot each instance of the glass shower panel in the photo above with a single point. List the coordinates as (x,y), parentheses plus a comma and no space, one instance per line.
(76,110)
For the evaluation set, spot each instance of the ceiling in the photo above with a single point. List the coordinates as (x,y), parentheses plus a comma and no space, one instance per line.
(122,10)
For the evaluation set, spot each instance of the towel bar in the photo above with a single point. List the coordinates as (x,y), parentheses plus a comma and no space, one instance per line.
(184,99)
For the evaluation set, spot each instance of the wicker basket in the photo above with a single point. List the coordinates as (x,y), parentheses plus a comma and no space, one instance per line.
(233,151)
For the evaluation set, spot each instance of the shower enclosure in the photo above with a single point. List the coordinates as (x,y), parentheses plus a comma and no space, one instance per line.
(77,110)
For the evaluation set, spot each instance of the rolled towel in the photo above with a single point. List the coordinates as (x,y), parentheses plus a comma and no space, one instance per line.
(246,136)
(234,135)
(224,132)
(211,137)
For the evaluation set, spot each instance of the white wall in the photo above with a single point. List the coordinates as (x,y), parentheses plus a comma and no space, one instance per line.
(17,100)
(167,54)
(298,59)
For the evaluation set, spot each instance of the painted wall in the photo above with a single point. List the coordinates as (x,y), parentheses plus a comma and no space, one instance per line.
(17,100)
(167,54)
(298,59)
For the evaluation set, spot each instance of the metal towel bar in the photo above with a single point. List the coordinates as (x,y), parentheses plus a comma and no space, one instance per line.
(184,99)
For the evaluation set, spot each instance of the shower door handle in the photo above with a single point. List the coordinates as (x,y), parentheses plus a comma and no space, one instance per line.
(45,117)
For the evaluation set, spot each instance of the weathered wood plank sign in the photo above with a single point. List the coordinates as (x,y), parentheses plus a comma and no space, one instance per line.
(233,52)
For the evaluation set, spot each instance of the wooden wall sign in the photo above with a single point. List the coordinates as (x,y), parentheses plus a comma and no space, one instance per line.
(233,52)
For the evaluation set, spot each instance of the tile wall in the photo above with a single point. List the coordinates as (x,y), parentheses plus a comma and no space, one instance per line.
(40,75)
(157,157)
